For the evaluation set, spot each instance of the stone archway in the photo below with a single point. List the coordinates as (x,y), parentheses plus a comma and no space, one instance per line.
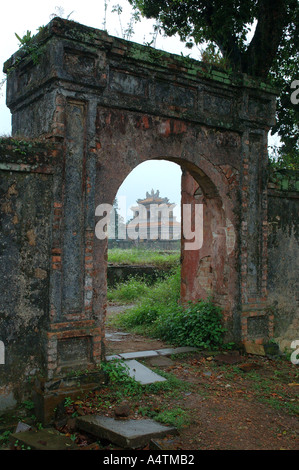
(103,105)
(210,270)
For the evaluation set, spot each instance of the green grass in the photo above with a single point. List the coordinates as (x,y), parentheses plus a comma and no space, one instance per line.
(156,400)
(176,417)
(137,256)
(273,392)
(123,386)
(4,438)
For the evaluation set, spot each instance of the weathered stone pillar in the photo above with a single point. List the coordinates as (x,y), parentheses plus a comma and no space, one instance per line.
(74,335)
(73,338)
(257,320)
(209,271)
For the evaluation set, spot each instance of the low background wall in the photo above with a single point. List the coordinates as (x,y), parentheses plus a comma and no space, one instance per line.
(161,245)
(283,255)
(121,273)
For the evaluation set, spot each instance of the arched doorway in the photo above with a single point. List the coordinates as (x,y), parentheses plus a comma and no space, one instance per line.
(208,268)
(144,248)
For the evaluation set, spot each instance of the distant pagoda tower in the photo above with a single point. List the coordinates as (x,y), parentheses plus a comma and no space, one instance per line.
(155,218)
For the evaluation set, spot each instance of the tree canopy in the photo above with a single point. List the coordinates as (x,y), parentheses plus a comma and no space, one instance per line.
(271,54)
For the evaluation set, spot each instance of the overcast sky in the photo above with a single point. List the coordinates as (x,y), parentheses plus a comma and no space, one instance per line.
(19,16)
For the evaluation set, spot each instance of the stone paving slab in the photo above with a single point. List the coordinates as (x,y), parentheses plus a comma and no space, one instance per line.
(169,351)
(113,357)
(153,353)
(138,354)
(116,336)
(43,439)
(163,444)
(124,433)
(160,361)
(142,374)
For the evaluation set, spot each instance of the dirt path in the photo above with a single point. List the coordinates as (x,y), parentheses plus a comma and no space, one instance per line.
(230,410)
(120,343)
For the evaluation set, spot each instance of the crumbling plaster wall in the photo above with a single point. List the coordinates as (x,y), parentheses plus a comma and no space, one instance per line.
(26,197)
(283,253)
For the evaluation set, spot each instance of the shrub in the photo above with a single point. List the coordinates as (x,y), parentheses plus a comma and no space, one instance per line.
(198,325)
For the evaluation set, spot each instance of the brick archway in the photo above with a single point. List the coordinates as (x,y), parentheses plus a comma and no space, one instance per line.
(210,270)
(104,105)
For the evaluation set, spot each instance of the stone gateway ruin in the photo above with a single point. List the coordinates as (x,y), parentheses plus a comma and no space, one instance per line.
(87,108)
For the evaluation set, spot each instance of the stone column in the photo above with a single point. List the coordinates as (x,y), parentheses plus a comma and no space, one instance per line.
(257,323)
(73,339)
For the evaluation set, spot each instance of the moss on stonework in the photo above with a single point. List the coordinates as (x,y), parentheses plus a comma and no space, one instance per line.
(22,146)
(285,180)
(137,52)
(18,151)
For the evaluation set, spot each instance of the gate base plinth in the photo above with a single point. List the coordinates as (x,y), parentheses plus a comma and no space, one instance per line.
(49,395)
(261,349)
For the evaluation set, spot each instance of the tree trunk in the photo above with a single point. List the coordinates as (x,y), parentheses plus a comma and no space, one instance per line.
(272,20)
